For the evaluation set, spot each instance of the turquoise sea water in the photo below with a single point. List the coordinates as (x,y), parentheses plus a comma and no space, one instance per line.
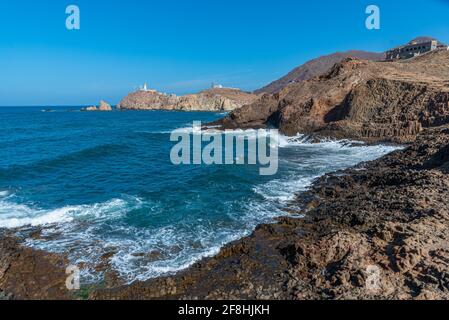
(103,183)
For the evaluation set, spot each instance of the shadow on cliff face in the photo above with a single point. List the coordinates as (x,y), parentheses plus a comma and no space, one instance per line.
(340,112)
(440,160)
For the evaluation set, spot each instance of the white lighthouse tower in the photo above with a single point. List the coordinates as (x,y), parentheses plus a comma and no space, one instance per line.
(146,89)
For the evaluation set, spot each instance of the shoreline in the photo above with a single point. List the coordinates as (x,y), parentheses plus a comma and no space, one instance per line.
(112,278)
(353,221)
(272,262)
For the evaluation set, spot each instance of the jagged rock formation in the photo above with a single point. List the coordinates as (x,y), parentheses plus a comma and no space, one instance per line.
(317,67)
(217,99)
(358,99)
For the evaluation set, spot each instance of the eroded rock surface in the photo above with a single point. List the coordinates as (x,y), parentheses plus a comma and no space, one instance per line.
(30,274)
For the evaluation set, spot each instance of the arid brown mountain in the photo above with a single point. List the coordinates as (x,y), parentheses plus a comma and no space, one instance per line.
(216,99)
(358,99)
(316,67)
(323,64)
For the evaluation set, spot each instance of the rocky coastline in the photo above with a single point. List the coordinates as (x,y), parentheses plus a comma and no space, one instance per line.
(389,216)
(215,99)
(358,99)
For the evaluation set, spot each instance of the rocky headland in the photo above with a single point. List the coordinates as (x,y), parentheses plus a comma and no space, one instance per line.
(358,99)
(215,99)
(390,214)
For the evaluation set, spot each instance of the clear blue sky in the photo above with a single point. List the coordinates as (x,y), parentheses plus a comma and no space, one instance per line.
(184,46)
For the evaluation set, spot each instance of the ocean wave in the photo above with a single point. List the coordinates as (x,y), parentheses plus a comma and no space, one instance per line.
(331,155)
(302,140)
(282,141)
(16,215)
(284,190)
(5,193)
(89,153)
(13,215)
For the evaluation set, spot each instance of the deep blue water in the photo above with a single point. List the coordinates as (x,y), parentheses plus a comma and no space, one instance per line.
(104,182)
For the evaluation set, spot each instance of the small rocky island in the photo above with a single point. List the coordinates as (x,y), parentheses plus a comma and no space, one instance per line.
(104,106)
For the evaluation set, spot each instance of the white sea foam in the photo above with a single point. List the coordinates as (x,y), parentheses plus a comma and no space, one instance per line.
(14,215)
(5,193)
(334,155)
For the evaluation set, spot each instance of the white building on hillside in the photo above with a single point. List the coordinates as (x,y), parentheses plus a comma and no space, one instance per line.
(217,86)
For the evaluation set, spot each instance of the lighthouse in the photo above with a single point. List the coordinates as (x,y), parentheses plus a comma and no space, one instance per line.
(145,88)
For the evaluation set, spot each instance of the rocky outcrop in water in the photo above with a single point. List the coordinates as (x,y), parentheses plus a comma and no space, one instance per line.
(104,106)
(358,99)
(220,99)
